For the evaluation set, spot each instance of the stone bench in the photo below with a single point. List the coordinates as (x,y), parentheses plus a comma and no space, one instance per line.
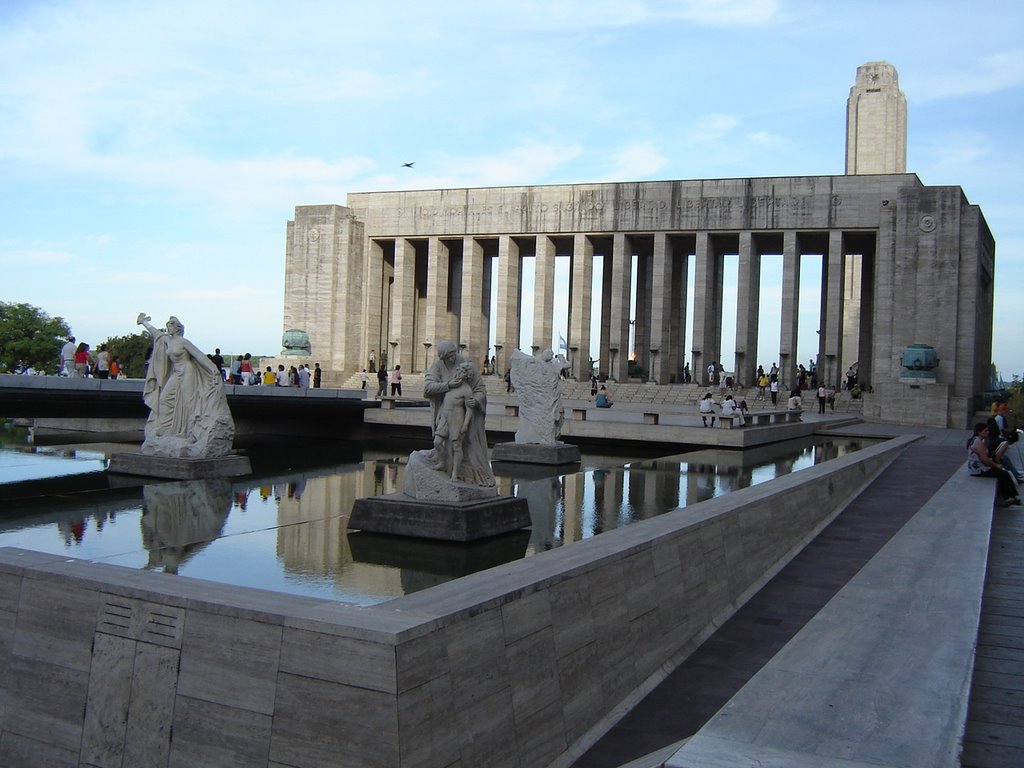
(733,420)
(764,418)
(388,403)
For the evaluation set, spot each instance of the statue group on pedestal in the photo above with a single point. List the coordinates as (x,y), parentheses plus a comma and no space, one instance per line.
(459,458)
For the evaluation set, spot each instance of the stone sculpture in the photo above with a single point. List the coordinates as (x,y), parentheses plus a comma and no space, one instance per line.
(538,385)
(538,382)
(188,411)
(458,463)
(295,342)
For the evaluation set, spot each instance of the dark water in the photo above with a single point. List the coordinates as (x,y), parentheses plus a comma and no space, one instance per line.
(284,529)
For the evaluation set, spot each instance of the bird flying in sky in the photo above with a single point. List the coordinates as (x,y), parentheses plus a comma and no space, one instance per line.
(408,165)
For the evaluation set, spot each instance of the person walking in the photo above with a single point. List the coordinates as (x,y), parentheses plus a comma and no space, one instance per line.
(821,398)
(396,381)
(103,363)
(67,357)
(382,380)
(364,378)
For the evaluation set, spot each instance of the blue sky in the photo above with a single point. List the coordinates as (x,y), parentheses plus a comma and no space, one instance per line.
(152,153)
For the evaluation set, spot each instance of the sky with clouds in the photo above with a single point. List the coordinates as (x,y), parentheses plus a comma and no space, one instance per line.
(152,153)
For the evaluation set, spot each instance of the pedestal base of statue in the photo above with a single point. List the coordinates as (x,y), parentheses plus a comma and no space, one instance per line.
(427,559)
(536,453)
(148,465)
(402,515)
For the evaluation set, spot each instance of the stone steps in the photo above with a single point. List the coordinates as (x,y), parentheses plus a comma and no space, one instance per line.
(626,392)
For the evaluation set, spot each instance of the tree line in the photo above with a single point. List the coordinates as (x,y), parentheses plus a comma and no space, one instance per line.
(31,340)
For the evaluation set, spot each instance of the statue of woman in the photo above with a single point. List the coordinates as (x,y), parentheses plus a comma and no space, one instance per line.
(188,412)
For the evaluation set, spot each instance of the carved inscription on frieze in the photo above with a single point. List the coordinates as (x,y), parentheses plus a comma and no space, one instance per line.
(687,209)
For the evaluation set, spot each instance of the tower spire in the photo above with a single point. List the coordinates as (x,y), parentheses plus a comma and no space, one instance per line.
(876,122)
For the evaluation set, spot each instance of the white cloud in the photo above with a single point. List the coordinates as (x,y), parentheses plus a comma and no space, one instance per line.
(523,164)
(636,161)
(41,257)
(998,72)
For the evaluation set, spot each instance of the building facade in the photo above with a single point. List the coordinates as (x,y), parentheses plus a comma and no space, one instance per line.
(390,274)
(396,272)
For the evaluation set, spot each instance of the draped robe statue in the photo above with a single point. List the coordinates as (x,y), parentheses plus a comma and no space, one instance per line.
(538,382)
(188,411)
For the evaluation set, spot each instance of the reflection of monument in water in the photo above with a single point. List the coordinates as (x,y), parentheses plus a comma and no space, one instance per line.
(180,519)
(398,271)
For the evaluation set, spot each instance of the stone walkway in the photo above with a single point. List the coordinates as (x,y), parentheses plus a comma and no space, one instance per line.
(695,691)
(995,716)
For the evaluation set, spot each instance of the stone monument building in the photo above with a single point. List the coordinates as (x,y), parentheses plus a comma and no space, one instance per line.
(902,263)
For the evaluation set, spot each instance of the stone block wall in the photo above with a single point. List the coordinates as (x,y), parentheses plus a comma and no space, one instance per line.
(522,665)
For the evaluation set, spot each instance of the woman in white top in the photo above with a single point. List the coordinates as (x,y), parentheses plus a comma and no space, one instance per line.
(707,407)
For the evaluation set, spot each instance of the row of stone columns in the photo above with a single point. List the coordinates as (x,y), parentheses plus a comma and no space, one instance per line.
(436,288)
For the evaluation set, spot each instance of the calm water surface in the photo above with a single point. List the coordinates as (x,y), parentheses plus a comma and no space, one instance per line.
(284,529)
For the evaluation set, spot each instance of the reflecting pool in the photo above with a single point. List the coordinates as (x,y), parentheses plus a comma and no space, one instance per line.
(284,528)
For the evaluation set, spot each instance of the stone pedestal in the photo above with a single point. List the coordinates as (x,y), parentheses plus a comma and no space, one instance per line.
(148,465)
(536,453)
(402,515)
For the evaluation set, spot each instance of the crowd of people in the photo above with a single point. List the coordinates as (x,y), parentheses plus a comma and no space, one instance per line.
(993,450)
(77,360)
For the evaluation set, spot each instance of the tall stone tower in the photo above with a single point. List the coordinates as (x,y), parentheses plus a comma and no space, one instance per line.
(876,122)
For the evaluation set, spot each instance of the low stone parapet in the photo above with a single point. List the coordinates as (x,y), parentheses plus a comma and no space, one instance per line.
(531,661)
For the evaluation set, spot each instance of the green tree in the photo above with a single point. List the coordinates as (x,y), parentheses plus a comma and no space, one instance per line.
(30,338)
(131,353)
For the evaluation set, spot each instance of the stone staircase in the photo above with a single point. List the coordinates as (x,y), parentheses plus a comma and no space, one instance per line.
(632,391)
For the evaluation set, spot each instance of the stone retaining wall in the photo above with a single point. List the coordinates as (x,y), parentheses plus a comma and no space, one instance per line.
(522,665)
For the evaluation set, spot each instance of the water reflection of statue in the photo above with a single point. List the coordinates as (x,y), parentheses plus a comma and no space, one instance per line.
(180,519)
(538,382)
(188,412)
(458,399)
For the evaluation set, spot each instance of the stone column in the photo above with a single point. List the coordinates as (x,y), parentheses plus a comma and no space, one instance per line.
(581,300)
(790,308)
(641,346)
(544,294)
(833,292)
(748,302)
(375,306)
(507,321)
(473,321)
(403,307)
(661,310)
(707,308)
(437,325)
(618,339)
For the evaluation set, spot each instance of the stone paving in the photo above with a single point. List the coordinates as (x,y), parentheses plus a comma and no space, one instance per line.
(710,677)
(995,716)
